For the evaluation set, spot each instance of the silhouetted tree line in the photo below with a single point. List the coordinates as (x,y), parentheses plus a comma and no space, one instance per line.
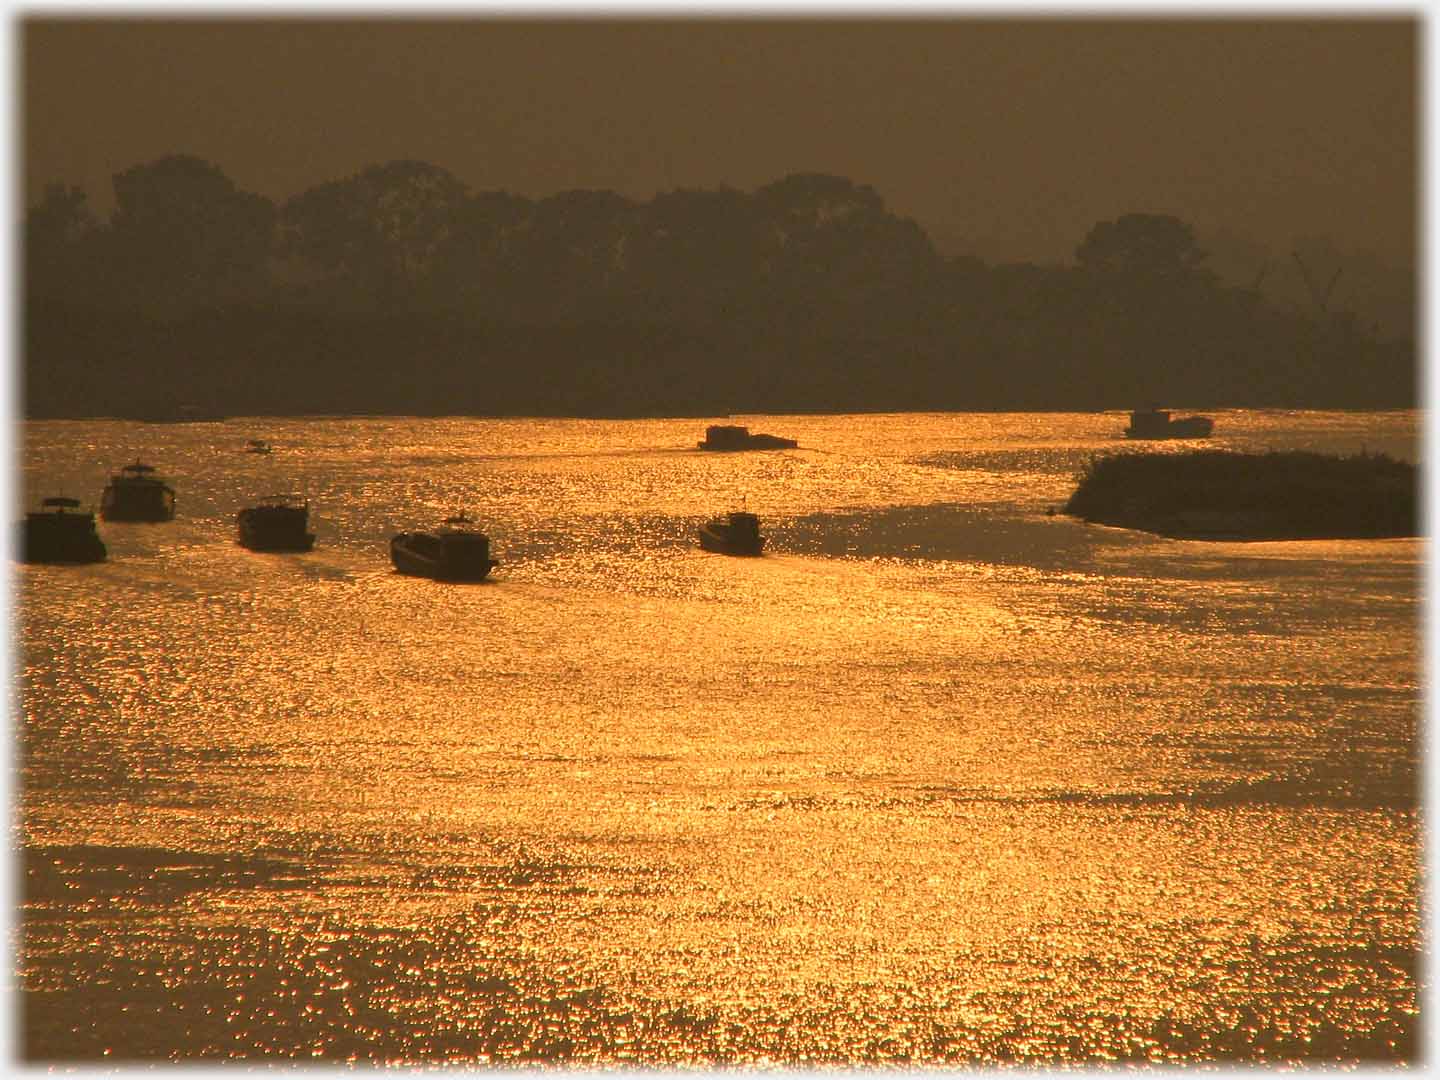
(399,290)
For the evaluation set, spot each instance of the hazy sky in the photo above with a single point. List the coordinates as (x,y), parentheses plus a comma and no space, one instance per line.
(1007,138)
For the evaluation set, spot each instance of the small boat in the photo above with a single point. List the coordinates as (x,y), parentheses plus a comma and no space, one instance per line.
(59,533)
(738,533)
(738,437)
(1158,424)
(279,523)
(135,493)
(454,552)
(258,446)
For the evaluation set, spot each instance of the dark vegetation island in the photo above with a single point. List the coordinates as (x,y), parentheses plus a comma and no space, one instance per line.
(399,290)
(1221,495)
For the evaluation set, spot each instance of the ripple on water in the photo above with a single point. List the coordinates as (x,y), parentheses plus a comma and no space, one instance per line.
(941,779)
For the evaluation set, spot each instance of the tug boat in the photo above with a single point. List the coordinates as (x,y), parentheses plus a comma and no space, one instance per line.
(135,493)
(456,551)
(739,437)
(59,533)
(738,533)
(279,523)
(258,446)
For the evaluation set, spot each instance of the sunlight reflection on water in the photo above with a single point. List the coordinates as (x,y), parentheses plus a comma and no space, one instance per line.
(941,779)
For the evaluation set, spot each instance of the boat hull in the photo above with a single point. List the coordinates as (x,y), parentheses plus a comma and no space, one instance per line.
(718,541)
(47,542)
(1191,427)
(424,555)
(254,542)
(135,503)
(755,442)
(738,437)
(273,528)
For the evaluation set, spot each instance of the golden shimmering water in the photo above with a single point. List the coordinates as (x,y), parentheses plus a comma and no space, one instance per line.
(941,779)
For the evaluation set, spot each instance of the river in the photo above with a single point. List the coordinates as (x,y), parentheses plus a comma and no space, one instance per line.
(942,778)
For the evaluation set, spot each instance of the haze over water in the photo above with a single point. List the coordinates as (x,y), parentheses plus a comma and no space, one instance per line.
(942,778)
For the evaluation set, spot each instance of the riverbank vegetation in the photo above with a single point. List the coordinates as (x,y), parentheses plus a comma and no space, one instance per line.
(399,289)
(1222,495)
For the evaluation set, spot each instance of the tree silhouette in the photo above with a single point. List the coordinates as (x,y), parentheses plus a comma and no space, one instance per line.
(377,234)
(695,255)
(477,263)
(59,237)
(1150,246)
(572,257)
(806,202)
(833,240)
(405,292)
(183,235)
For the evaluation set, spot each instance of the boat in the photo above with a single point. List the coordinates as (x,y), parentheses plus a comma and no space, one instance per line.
(279,523)
(60,533)
(456,551)
(135,493)
(258,446)
(738,437)
(1159,424)
(738,533)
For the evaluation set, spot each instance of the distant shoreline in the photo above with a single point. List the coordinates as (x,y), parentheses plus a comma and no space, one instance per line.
(1120,412)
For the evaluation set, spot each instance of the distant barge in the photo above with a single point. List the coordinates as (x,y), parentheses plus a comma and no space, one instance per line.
(1159,424)
(738,437)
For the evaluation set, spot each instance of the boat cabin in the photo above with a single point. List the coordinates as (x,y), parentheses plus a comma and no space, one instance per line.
(135,493)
